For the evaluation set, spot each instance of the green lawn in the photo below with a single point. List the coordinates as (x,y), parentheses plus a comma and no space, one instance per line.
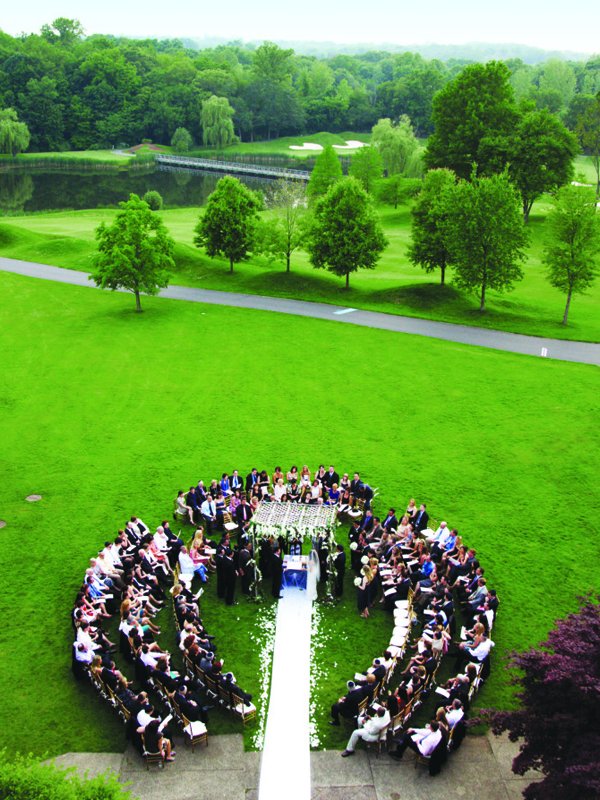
(281,145)
(107,413)
(99,156)
(395,286)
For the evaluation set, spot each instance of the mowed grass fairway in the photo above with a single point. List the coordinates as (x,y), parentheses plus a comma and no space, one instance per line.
(66,239)
(107,413)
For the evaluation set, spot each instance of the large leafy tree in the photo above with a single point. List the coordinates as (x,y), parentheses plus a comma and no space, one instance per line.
(541,156)
(367,167)
(429,248)
(345,235)
(557,721)
(473,115)
(396,143)
(588,131)
(573,243)
(228,226)
(326,172)
(285,231)
(217,124)
(14,135)
(485,234)
(181,141)
(135,252)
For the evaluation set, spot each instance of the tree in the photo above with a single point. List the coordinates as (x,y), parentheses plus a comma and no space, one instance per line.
(396,143)
(182,141)
(558,76)
(541,156)
(485,234)
(397,189)
(135,252)
(571,253)
(154,199)
(228,226)
(327,171)
(588,131)
(473,115)
(217,125)
(345,235)
(63,30)
(429,249)
(286,231)
(14,135)
(367,166)
(559,709)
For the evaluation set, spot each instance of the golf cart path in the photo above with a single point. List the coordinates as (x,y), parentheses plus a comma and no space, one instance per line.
(560,349)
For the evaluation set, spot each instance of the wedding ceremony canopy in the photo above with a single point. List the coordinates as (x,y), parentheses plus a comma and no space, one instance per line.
(293,520)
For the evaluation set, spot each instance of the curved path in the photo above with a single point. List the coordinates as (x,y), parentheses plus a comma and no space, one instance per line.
(561,349)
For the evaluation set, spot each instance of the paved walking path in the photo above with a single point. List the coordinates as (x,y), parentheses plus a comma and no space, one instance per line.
(563,350)
(224,771)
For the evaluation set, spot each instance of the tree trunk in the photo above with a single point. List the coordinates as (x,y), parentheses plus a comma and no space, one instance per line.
(566,314)
(443,269)
(231,265)
(138,305)
(347,280)
(287,262)
(526,210)
(482,303)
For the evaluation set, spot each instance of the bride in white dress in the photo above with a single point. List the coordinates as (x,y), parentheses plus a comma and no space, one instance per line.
(314,573)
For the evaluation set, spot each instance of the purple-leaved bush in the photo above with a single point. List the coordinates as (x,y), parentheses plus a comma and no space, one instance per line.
(559,714)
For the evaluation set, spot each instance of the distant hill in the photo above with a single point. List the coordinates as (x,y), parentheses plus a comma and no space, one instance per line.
(472,51)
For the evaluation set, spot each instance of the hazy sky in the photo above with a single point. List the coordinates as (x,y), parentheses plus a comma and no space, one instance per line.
(553,24)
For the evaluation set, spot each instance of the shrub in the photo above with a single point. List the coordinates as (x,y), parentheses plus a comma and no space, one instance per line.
(154,199)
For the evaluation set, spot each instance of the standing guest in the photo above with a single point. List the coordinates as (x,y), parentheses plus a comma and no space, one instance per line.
(276,572)
(331,478)
(229,576)
(421,519)
(235,481)
(339,564)
(209,514)
(243,515)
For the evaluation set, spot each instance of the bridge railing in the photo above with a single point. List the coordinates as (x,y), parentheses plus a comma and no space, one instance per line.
(233,166)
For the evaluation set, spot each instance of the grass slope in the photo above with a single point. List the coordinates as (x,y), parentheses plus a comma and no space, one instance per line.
(106,413)
(395,286)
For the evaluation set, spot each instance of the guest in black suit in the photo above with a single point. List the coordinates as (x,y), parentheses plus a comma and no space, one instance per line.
(421,519)
(251,479)
(243,515)
(276,572)
(229,576)
(339,563)
(331,477)
(347,706)
(390,523)
(190,707)
(236,481)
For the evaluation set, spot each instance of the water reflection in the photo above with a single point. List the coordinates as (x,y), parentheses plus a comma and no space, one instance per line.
(57,189)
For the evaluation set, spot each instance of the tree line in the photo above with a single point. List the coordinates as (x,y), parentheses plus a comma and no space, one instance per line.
(78,92)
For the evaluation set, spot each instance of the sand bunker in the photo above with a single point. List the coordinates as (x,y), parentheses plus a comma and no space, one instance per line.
(306,146)
(351,144)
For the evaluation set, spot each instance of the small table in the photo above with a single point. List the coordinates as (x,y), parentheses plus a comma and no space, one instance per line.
(295,572)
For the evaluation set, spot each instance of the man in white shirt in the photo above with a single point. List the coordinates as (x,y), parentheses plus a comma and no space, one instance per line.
(421,740)
(441,531)
(454,713)
(208,510)
(370,731)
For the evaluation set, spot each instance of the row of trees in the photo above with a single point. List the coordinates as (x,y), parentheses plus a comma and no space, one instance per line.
(75,92)
(475,227)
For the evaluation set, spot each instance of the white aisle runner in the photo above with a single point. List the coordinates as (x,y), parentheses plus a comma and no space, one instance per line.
(285,763)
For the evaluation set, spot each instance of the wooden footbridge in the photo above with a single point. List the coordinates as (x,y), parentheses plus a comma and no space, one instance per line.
(232,167)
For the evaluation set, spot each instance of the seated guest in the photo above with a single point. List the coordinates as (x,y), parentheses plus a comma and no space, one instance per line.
(369,730)
(155,741)
(422,740)
(182,509)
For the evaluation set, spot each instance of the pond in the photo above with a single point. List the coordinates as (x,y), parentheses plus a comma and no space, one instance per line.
(41,189)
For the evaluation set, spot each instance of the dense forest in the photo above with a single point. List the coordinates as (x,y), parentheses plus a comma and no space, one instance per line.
(77,92)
